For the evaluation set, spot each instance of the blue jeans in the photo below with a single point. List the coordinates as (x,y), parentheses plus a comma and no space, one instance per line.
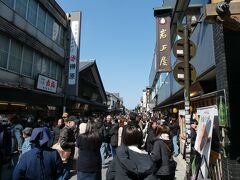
(113,150)
(66,170)
(89,175)
(175,145)
(103,151)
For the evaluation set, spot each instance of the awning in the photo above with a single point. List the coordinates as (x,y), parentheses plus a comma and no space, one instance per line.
(33,97)
(85,101)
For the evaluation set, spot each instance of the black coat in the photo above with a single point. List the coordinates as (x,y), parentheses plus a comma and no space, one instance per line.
(114,135)
(174,129)
(67,139)
(89,159)
(129,164)
(150,140)
(161,154)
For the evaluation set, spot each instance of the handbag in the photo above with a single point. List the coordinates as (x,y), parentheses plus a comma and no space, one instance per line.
(64,154)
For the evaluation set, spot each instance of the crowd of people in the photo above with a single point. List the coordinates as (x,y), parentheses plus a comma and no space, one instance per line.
(141,147)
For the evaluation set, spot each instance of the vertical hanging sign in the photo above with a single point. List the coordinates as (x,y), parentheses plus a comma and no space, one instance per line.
(73,55)
(163,50)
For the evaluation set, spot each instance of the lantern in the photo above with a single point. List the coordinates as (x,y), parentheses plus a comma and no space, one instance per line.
(175,110)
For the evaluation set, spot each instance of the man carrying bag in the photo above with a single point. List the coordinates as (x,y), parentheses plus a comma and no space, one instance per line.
(67,142)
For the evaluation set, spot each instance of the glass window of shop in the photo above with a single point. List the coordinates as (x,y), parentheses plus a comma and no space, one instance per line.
(32,12)
(59,75)
(27,61)
(53,70)
(24,60)
(4,48)
(56,31)
(41,19)
(37,65)
(49,26)
(21,7)
(61,37)
(15,57)
(45,67)
(9,3)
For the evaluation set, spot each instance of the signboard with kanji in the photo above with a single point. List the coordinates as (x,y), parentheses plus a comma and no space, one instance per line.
(73,57)
(46,84)
(163,49)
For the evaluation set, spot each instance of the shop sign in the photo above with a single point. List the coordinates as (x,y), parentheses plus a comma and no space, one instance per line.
(73,55)
(46,84)
(163,49)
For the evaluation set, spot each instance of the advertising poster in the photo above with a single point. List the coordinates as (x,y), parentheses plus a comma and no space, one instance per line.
(204,137)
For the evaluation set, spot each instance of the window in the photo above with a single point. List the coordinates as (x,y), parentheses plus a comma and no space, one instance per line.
(61,36)
(41,19)
(4,47)
(49,26)
(27,61)
(21,7)
(55,34)
(32,12)
(53,70)
(9,3)
(59,75)
(15,57)
(45,67)
(37,65)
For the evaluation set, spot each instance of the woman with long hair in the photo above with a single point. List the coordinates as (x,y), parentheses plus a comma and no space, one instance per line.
(89,159)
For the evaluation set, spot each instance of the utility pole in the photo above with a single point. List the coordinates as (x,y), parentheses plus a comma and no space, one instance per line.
(187,100)
(185,74)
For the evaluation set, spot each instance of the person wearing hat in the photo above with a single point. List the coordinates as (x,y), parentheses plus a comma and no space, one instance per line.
(26,135)
(41,162)
(67,141)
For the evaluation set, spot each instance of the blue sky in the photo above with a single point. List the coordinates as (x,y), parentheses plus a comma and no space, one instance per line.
(120,35)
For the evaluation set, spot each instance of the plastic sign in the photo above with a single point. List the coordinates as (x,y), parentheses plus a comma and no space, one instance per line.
(46,84)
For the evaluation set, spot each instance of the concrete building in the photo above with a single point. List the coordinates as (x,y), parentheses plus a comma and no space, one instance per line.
(216,37)
(33,53)
(115,103)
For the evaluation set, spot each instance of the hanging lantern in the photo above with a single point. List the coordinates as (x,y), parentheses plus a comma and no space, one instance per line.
(175,110)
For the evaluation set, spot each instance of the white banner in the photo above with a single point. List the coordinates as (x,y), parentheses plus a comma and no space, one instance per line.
(74,44)
(46,84)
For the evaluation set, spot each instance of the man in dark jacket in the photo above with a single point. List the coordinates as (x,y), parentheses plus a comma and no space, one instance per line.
(67,142)
(41,162)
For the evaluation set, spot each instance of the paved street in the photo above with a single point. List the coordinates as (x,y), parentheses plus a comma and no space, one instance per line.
(181,168)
